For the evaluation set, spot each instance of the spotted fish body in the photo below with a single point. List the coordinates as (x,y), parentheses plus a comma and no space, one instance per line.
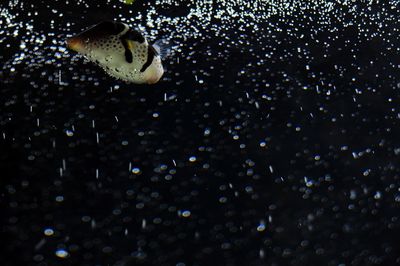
(122,52)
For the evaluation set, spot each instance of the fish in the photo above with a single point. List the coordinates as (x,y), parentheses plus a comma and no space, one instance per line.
(124,53)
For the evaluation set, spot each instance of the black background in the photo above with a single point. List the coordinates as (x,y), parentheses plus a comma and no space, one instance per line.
(331,198)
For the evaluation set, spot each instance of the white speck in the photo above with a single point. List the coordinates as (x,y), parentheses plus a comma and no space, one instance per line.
(366,172)
(143,223)
(69,133)
(93,224)
(136,170)
(223,199)
(62,253)
(261,253)
(59,198)
(48,232)
(397,198)
(309,183)
(378,195)
(186,213)
(192,159)
(353,194)
(271,169)
(261,227)
(59,78)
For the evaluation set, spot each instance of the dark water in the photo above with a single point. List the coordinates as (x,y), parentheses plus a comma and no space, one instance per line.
(272,140)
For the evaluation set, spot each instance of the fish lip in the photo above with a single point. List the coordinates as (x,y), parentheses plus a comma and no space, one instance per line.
(74,44)
(153,81)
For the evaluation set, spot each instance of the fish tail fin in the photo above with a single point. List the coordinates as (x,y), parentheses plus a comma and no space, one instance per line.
(163,48)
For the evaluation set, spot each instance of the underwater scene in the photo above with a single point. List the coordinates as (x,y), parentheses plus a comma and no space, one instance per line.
(200,133)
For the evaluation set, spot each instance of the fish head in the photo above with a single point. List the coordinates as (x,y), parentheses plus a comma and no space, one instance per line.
(98,37)
(154,73)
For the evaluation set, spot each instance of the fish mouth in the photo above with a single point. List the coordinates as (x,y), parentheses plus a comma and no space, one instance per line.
(153,80)
(75,44)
